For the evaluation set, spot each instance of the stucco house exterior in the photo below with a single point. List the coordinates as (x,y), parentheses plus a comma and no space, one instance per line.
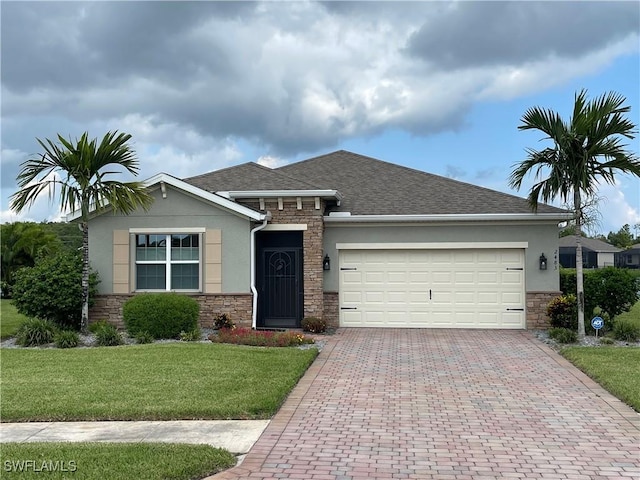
(630,258)
(595,253)
(358,241)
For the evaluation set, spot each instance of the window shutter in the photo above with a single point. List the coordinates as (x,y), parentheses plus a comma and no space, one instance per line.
(121,266)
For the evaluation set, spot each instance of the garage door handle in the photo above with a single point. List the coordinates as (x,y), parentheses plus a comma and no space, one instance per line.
(512,268)
(348,268)
(429,294)
(515,309)
(348,308)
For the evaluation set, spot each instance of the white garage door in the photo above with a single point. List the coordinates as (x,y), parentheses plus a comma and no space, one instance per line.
(432,288)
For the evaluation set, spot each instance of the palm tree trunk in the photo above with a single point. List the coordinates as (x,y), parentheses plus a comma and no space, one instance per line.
(84,321)
(579,273)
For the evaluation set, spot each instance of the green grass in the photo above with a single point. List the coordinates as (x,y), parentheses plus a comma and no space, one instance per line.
(112,461)
(632,315)
(615,368)
(10,319)
(168,381)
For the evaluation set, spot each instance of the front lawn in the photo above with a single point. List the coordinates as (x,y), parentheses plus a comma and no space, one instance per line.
(112,461)
(169,381)
(10,319)
(615,368)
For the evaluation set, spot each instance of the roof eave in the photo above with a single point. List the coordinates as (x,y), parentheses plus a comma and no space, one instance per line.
(326,194)
(451,218)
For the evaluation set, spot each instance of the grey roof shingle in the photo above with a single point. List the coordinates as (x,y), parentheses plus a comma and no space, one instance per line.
(370,186)
(374,187)
(592,244)
(248,176)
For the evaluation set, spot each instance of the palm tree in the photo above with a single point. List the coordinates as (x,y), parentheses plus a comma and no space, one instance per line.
(586,150)
(79,170)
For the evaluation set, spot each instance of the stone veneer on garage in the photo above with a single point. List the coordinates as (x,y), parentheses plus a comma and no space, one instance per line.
(537,309)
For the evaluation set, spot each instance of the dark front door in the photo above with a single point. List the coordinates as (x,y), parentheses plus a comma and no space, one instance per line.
(280,285)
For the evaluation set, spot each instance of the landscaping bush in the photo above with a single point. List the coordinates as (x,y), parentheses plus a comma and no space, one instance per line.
(607,341)
(563,311)
(35,331)
(108,336)
(614,290)
(144,337)
(314,325)
(223,320)
(66,339)
(563,335)
(163,315)
(52,289)
(247,336)
(191,336)
(95,326)
(626,331)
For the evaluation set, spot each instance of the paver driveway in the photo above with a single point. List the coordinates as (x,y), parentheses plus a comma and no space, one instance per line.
(440,404)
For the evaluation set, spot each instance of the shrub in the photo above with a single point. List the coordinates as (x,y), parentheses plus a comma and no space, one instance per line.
(223,320)
(563,335)
(66,339)
(626,331)
(163,315)
(97,325)
(607,341)
(314,325)
(35,331)
(52,289)
(191,336)
(563,311)
(614,290)
(247,336)
(144,337)
(108,336)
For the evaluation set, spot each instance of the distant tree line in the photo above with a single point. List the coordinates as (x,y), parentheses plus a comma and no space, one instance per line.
(623,238)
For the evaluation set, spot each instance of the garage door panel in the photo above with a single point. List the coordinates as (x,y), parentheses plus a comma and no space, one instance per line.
(433,288)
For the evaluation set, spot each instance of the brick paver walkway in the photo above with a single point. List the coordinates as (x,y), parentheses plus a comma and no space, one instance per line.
(445,404)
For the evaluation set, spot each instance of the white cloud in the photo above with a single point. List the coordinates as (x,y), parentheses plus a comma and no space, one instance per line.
(271,162)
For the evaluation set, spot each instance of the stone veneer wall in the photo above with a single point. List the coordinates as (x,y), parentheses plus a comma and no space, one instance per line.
(238,306)
(332,309)
(536,309)
(311,244)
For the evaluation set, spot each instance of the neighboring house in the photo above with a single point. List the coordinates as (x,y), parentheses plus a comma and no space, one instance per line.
(358,241)
(595,253)
(630,258)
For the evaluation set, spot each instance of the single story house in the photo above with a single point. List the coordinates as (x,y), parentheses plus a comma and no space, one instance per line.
(630,258)
(595,253)
(358,241)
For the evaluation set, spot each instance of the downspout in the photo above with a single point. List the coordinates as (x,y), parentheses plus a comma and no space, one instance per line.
(254,291)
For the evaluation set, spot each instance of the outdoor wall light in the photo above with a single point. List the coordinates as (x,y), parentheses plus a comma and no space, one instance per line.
(543,262)
(326,263)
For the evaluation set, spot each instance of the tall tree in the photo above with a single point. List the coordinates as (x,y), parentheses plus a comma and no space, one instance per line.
(623,238)
(79,170)
(586,149)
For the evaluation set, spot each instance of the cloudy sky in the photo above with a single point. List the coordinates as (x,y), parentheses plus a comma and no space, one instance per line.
(437,86)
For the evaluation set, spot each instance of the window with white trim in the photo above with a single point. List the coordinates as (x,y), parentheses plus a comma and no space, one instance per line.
(168,261)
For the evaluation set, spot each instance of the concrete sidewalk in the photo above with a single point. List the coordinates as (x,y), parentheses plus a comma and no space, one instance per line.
(236,436)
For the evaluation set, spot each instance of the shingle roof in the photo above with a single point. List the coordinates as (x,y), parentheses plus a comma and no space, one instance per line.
(592,244)
(374,187)
(248,176)
(370,186)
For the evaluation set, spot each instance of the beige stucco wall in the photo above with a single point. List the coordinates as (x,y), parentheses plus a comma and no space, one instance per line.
(178,210)
(541,238)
